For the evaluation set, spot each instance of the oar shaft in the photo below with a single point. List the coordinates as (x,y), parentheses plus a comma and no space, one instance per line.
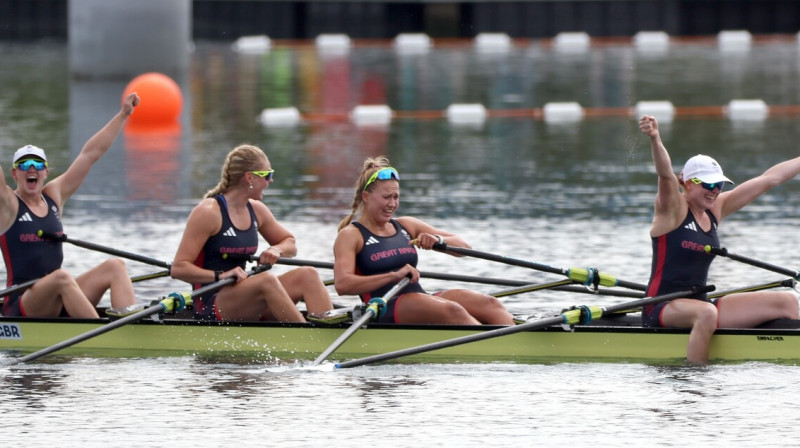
(104,249)
(369,314)
(482,280)
(578,275)
(514,329)
(753,262)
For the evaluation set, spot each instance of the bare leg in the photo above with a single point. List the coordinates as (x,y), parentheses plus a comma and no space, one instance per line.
(110,274)
(304,283)
(750,309)
(698,315)
(56,290)
(416,308)
(257,296)
(485,308)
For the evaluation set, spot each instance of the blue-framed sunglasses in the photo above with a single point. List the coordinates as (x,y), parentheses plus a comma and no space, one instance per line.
(382,174)
(26,164)
(708,186)
(266,175)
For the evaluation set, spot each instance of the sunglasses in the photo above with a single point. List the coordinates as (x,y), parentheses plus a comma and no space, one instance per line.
(267,175)
(25,165)
(382,174)
(707,186)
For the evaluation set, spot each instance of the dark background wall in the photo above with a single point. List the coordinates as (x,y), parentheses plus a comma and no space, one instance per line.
(378,19)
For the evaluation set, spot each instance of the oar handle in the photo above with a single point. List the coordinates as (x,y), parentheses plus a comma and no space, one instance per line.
(18,288)
(108,250)
(751,261)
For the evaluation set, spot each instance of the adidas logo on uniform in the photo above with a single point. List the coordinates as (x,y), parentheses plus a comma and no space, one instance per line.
(371,240)
(691,226)
(25,217)
(229,232)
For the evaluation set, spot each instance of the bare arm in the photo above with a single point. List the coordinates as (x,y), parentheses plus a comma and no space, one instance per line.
(670,208)
(282,242)
(64,186)
(348,243)
(204,221)
(731,201)
(8,204)
(425,235)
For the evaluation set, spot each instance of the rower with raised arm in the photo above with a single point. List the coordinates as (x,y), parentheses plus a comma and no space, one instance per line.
(688,209)
(222,232)
(373,251)
(36,206)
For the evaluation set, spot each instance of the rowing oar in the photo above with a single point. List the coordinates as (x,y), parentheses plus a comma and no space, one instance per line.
(753,262)
(108,250)
(172,303)
(586,276)
(577,315)
(374,309)
(475,279)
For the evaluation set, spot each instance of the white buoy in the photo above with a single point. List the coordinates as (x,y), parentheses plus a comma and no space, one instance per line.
(466,113)
(493,42)
(664,111)
(572,41)
(562,112)
(333,44)
(750,110)
(379,114)
(252,44)
(279,117)
(412,43)
(734,40)
(651,41)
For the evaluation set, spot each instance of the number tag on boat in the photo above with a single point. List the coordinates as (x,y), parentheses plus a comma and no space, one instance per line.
(10,331)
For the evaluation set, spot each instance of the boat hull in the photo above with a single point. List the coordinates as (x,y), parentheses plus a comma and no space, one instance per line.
(610,341)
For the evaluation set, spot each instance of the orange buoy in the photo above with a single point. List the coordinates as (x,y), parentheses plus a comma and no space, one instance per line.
(161,100)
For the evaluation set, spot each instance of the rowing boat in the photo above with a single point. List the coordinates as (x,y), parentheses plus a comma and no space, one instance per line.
(609,339)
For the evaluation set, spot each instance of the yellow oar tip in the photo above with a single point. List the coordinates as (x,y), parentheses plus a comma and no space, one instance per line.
(39,233)
(707,249)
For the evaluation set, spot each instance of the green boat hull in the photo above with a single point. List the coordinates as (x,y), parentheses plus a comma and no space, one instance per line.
(610,341)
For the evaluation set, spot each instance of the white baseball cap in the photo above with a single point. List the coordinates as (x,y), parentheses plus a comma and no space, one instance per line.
(29,150)
(704,168)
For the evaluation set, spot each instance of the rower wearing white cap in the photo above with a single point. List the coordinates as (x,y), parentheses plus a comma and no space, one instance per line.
(37,205)
(688,209)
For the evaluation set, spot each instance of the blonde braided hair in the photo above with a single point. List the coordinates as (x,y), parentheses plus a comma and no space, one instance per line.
(239,161)
(371,165)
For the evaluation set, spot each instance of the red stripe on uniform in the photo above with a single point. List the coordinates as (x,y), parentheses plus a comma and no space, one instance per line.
(661,256)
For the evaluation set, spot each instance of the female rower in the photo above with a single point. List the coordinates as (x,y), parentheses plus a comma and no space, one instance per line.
(376,251)
(34,206)
(222,232)
(688,209)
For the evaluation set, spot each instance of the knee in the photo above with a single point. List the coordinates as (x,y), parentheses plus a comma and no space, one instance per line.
(267,281)
(62,278)
(456,310)
(116,266)
(495,304)
(706,318)
(308,274)
(790,304)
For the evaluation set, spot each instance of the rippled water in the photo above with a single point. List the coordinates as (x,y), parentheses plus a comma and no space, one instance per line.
(570,194)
